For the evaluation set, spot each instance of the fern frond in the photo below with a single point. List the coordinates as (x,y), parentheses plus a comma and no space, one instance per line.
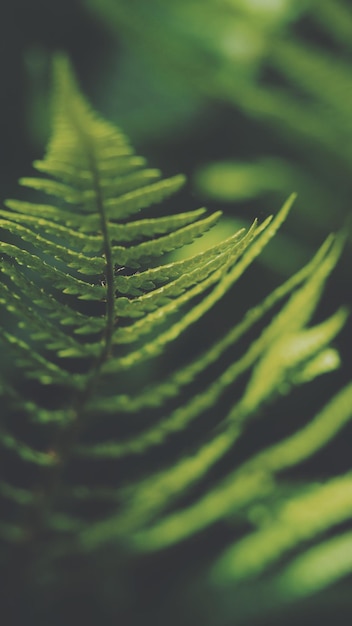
(254,479)
(23,451)
(147,280)
(90,293)
(297,520)
(318,568)
(157,395)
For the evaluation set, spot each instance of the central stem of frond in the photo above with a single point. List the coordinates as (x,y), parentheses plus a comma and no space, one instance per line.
(109,271)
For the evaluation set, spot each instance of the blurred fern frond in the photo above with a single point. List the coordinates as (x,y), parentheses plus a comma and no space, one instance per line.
(283,66)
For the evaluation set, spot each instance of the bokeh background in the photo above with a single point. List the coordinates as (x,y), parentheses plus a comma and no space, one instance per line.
(252,100)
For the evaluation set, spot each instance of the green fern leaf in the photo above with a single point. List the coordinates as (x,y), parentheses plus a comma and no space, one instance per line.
(86,305)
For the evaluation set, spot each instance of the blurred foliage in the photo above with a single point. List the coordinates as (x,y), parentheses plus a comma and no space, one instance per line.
(251,98)
(284,66)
